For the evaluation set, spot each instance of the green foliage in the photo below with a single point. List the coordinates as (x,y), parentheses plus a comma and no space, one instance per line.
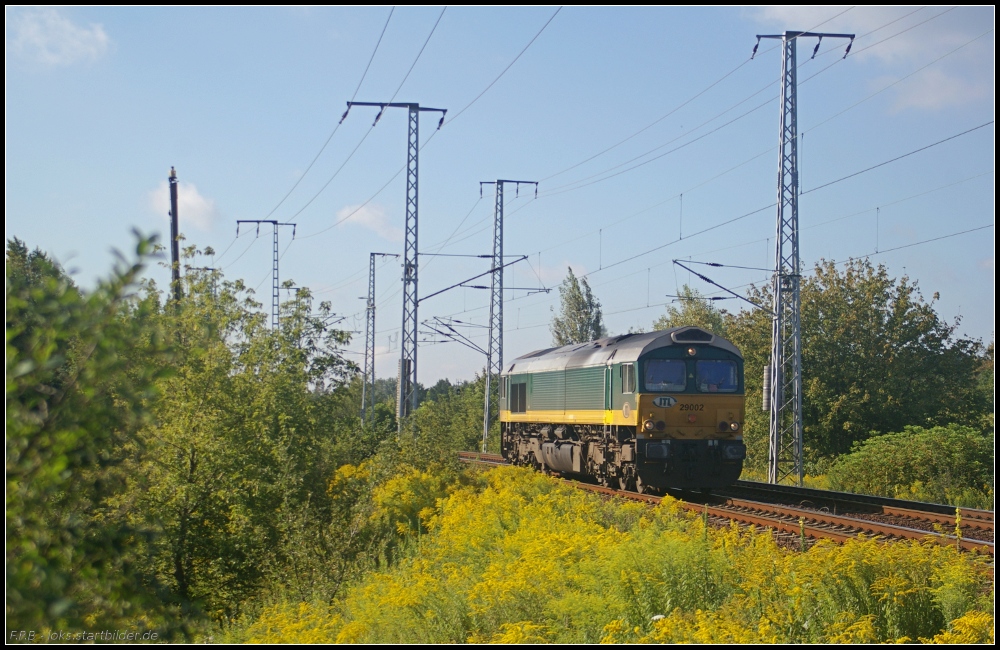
(452,422)
(952,464)
(80,370)
(580,319)
(695,309)
(247,433)
(875,357)
(167,459)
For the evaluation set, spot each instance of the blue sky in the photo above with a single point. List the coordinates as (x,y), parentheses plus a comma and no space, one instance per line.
(102,101)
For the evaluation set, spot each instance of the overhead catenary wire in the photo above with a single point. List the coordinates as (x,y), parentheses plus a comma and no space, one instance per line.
(504,71)
(771,148)
(371,128)
(765,280)
(883,204)
(683,104)
(685,238)
(823,122)
(431,137)
(838,180)
(335,128)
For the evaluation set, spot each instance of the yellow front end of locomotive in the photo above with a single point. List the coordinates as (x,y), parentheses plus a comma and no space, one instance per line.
(691,416)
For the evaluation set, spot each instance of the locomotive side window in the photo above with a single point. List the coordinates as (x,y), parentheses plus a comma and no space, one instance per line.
(519,398)
(627,371)
(503,387)
(664,375)
(716,376)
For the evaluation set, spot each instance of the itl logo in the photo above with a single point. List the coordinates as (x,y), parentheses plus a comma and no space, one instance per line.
(664,402)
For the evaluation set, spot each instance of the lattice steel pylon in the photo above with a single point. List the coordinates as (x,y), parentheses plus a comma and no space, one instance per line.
(785,455)
(406,394)
(368,386)
(275,284)
(494,349)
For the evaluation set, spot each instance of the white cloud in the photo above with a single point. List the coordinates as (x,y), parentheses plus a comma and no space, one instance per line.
(47,37)
(372,217)
(988,264)
(192,208)
(899,40)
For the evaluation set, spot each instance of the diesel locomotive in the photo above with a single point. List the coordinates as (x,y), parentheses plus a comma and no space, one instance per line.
(641,412)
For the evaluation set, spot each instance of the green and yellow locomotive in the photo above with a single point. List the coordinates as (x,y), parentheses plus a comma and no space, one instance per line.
(639,411)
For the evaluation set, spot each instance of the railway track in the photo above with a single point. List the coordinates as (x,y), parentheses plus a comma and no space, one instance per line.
(817,514)
(931,517)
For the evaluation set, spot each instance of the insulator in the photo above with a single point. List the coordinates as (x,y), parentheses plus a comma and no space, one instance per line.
(767,388)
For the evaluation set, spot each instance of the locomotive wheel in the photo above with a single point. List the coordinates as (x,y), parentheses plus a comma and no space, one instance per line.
(640,487)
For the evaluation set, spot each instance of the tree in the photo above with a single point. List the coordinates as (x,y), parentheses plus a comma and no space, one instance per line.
(80,367)
(579,318)
(875,357)
(695,309)
(246,436)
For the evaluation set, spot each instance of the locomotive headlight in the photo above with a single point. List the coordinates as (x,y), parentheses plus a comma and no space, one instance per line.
(723,426)
(660,425)
(735,426)
(648,425)
(692,352)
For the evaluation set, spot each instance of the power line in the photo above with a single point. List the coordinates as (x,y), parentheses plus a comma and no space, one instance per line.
(771,205)
(581,182)
(680,106)
(431,137)
(765,280)
(900,80)
(334,132)
(252,242)
(414,64)
(368,132)
(905,155)
(504,71)
(216,258)
(821,123)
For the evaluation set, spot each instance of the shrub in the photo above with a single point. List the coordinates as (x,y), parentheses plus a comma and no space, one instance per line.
(952,464)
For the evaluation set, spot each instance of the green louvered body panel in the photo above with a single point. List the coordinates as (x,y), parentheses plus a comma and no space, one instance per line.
(585,389)
(547,391)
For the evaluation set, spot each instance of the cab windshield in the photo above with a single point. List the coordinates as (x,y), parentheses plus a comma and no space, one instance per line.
(716,376)
(664,375)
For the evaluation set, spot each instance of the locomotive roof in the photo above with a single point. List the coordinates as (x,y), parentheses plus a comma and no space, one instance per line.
(614,349)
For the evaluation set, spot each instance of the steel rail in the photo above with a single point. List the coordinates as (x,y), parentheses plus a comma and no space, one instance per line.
(984,517)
